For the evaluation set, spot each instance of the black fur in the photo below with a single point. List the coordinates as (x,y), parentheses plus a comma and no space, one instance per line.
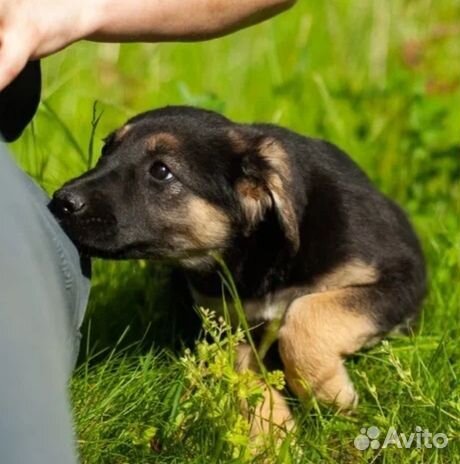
(339,213)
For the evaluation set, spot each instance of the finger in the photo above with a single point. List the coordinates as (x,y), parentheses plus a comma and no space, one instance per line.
(14,55)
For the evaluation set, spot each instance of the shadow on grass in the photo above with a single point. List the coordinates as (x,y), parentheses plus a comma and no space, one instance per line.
(135,307)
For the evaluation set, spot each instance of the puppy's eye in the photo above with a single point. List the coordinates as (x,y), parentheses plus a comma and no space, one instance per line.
(160,171)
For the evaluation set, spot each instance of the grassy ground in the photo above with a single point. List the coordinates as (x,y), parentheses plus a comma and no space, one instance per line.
(379,78)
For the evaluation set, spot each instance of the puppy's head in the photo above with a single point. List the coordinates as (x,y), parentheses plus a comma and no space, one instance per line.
(177,183)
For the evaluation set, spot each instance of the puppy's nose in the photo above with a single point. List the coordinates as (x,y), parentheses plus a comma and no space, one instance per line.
(66,202)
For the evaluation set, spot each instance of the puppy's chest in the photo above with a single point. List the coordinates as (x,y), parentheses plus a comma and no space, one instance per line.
(267,308)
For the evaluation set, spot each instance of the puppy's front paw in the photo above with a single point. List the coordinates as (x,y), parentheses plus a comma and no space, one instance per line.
(339,391)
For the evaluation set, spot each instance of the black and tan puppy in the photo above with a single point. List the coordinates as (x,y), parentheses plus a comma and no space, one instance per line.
(307,237)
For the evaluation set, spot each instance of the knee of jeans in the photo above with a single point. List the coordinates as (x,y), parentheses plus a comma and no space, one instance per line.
(74,271)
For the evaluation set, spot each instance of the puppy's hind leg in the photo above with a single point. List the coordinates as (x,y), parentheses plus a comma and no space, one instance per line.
(273,413)
(318,332)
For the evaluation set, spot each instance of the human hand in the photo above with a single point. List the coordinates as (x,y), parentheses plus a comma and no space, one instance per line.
(31,29)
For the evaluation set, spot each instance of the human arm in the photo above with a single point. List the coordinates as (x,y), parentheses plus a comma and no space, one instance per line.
(31,29)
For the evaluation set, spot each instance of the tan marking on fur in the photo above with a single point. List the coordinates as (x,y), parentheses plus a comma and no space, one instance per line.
(273,413)
(245,359)
(254,201)
(120,133)
(274,305)
(274,154)
(239,142)
(266,308)
(250,189)
(162,139)
(285,210)
(355,272)
(276,157)
(319,330)
(207,225)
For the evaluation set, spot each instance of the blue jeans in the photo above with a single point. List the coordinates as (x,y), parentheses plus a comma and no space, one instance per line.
(43,296)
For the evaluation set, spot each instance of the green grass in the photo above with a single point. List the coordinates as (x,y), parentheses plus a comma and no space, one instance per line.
(378,78)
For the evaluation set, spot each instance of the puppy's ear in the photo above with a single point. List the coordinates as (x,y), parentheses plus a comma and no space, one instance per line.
(264,183)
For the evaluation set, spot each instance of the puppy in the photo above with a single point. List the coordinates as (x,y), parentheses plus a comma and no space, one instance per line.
(308,239)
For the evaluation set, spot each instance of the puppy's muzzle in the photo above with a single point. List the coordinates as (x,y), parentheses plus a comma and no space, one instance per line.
(85,215)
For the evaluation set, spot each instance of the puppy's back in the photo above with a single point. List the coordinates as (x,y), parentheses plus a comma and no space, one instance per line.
(344,218)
